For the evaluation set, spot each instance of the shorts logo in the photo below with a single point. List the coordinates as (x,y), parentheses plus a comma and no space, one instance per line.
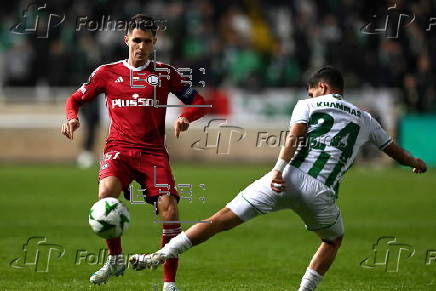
(105,166)
(153,80)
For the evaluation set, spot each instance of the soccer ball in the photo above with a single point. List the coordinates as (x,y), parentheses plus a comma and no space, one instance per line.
(109,218)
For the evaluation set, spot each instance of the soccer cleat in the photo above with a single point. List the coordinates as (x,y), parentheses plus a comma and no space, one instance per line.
(170,286)
(114,266)
(147,261)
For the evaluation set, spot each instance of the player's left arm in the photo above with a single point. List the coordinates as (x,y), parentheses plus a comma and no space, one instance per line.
(191,113)
(188,96)
(404,158)
(384,142)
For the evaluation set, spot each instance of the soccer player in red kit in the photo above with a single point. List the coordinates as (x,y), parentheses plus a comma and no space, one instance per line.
(135,147)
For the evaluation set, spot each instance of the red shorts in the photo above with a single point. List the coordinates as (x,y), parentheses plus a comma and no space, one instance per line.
(151,170)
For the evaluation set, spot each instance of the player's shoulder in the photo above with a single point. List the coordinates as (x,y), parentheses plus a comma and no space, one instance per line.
(303,102)
(368,119)
(109,66)
(162,65)
(105,67)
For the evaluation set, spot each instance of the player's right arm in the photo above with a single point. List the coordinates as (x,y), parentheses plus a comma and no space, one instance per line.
(297,134)
(86,92)
(404,158)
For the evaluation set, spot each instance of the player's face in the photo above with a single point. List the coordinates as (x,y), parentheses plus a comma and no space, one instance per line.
(141,44)
(321,89)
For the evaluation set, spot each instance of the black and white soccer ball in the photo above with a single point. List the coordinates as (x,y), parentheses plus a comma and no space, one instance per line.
(109,218)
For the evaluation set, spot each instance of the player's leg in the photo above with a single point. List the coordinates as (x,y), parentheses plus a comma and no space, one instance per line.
(111,187)
(115,264)
(322,216)
(320,263)
(168,211)
(325,255)
(154,169)
(257,198)
(225,219)
(114,176)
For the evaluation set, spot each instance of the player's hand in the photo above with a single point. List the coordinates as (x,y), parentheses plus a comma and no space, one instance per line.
(419,166)
(277,182)
(181,124)
(69,127)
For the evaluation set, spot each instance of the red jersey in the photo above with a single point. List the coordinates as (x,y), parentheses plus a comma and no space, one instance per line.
(133,98)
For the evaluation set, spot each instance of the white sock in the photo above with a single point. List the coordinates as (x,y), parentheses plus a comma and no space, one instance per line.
(309,281)
(169,284)
(176,246)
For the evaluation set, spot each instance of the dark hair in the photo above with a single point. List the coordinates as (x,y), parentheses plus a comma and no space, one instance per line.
(142,22)
(329,75)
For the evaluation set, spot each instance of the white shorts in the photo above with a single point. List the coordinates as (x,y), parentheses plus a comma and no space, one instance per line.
(314,202)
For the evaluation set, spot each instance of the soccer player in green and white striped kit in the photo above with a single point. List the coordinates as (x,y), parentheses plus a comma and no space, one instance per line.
(305,177)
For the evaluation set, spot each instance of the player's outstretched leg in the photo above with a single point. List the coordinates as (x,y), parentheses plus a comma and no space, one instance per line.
(115,263)
(320,263)
(224,219)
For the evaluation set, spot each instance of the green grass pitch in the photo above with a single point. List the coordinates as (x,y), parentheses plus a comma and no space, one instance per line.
(269,253)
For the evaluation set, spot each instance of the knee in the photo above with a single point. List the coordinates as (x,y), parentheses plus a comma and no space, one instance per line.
(168,212)
(104,193)
(167,206)
(223,220)
(336,243)
(109,187)
(221,225)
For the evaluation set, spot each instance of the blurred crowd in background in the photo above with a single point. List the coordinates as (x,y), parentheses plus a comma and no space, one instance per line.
(249,44)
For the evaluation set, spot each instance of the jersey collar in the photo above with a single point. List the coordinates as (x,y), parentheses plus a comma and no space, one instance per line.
(125,63)
(336,96)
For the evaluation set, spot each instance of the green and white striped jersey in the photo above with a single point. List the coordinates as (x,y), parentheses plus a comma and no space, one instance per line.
(336,131)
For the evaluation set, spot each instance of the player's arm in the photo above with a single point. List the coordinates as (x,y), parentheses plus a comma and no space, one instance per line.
(404,158)
(297,133)
(188,96)
(384,142)
(85,93)
(190,114)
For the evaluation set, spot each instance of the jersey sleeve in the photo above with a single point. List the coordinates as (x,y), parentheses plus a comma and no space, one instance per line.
(301,113)
(88,91)
(189,96)
(377,135)
(179,87)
